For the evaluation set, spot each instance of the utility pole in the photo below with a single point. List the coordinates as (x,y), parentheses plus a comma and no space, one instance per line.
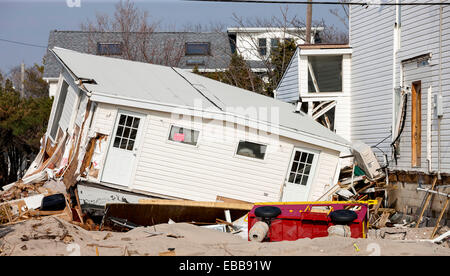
(22,80)
(308,23)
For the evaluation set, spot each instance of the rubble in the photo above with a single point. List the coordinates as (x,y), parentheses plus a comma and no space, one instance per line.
(53,236)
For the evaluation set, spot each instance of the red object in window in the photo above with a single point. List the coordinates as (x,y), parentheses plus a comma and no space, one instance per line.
(179,137)
(298,220)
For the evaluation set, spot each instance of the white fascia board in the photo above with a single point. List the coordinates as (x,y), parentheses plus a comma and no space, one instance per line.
(268,29)
(219,115)
(329,52)
(51,79)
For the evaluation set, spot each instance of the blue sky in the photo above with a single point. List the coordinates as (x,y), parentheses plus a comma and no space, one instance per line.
(30,21)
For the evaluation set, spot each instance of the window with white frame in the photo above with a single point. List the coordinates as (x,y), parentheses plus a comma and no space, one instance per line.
(250,149)
(183,135)
(301,168)
(325,73)
(274,42)
(126,133)
(262,46)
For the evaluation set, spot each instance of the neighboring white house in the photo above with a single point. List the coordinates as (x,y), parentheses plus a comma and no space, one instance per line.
(207,51)
(400,97)
(256,43)
(166,132)
(395,93)
(318,79)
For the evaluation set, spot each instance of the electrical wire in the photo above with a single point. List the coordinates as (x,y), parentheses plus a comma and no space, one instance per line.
(368,3)
(22,43)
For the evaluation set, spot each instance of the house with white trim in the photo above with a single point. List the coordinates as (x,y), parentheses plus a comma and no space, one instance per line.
(394,96)
(167,133)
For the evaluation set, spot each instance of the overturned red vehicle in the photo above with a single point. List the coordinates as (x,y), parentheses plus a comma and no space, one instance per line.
(289,221)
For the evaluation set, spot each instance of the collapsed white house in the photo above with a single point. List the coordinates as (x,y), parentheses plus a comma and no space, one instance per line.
(168,133)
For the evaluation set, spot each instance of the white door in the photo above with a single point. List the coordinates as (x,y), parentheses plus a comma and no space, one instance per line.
(300,176)
(122,152)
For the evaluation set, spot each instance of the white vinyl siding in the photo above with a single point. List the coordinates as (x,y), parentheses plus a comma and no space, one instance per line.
(212,168)
(288,89)
(420,35)
(69,107)
(104,118)
(371,35)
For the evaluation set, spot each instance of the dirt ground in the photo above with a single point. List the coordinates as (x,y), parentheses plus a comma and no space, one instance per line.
(54,237)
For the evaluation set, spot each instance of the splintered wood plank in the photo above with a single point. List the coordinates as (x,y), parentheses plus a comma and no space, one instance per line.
(416,124)
(231,200)
(427,201)
(439,219)
(383,220)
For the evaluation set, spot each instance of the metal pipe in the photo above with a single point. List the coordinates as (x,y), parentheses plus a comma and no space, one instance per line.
(433,192)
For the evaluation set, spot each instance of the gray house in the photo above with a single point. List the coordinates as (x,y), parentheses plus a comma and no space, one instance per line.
(208,51)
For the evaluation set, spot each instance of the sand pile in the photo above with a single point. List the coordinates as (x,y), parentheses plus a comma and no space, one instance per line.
(52,236)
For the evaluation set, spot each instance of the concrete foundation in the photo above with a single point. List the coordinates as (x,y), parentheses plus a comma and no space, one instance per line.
(408,201)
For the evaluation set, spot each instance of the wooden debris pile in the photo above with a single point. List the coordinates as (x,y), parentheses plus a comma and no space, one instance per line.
(21,190)
(354,185)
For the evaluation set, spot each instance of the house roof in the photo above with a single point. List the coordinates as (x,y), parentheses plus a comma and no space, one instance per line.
(86,42)
(270,29)
(324,46)
(149,86)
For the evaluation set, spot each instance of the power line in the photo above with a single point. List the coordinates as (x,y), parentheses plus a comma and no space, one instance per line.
(22,43)
(369,3)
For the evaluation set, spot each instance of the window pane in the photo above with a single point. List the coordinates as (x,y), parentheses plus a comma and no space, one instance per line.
(310,158)
(117,142)
(136,122)
(122,119)
(274,42)
(298,179)
(123,143)
(109,48)
(129,121)
(327,71)
(304,180)
(133,133)
(294,167)
(307,169)
(297,156)
(250,149)
(130,145)
(183,135)
(303,158)
(126,132)
(291,177)
(197,49)
(262,43)
(119,131)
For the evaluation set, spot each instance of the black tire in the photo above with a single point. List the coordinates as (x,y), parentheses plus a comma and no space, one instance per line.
(343,216)
(267,212)
(55,202)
